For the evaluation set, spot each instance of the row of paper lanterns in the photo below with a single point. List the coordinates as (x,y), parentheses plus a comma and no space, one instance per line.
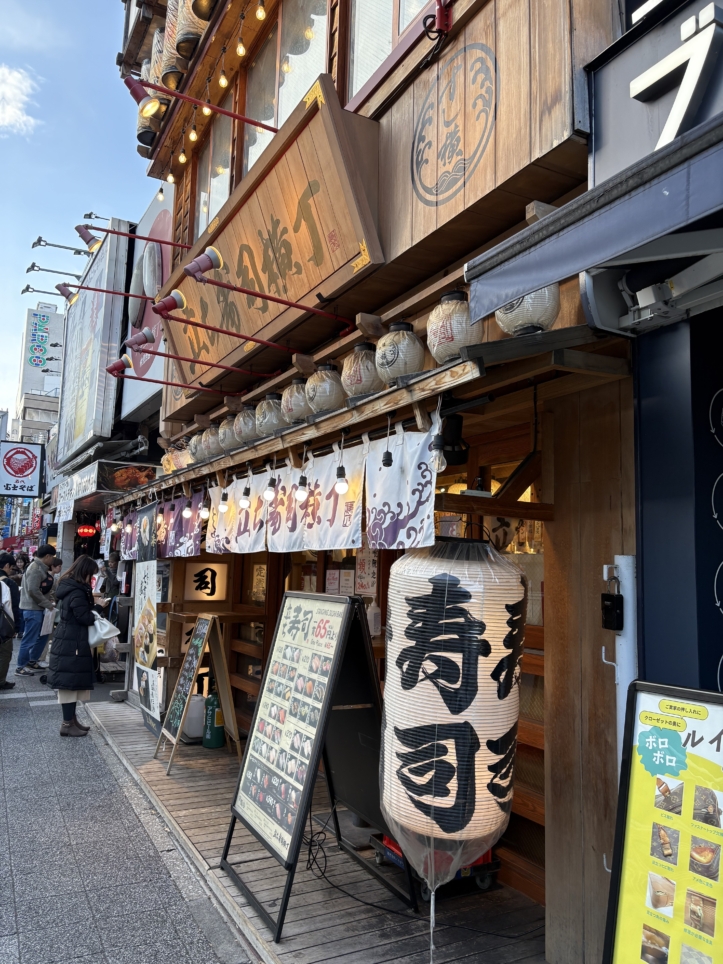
(369,369)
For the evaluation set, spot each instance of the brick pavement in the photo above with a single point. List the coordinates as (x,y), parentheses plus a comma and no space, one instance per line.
(89,873)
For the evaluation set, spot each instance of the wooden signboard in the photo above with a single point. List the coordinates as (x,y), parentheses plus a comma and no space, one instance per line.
(666,893)
(301,223)
(319,698)
(206,632)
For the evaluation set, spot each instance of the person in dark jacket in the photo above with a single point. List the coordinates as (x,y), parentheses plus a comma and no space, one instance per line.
(71,660)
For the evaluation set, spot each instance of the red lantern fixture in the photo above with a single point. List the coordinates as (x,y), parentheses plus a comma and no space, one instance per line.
(86,532)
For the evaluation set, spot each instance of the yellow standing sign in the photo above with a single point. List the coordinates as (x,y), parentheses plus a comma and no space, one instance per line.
(666,899)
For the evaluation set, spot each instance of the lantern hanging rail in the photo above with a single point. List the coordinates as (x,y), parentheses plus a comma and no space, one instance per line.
(40,242)
(67,293)
(199,361)
(276,300)
(146,103)
(36,267)
(160,381)
(126,234)
(223,331)
(28,290)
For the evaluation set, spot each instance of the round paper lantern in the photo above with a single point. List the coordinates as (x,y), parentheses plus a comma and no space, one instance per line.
(531,313)
(244,425)
(455,634)
(195,447)
(269,417)
(324,390)
(359,374)
(226,435)
(210,443)
(448,328)
(86,532)
(294,405)
(399,352)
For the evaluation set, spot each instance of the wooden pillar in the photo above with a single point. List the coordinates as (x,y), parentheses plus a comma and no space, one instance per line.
(588,465)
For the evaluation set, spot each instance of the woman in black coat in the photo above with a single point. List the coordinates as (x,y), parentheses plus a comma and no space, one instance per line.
(70,669)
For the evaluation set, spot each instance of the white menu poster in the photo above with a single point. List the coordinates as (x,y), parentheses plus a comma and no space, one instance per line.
(283,748)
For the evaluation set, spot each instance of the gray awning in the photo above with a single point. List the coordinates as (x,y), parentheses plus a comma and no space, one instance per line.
(665,192)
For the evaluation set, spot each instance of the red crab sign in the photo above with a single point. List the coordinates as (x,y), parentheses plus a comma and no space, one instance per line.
(20,464)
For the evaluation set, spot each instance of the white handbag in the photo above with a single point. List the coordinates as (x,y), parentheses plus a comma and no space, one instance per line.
(101,630)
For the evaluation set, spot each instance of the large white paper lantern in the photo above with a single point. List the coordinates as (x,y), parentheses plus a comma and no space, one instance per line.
(359,374)
(449,328)
(324,390)
(455,634)
(294,404)
(269,417)
(244,425)
(399,352)
(210,443)
(531,313)
(226,435)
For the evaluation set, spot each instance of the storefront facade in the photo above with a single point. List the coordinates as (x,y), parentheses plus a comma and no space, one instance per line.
(376,198)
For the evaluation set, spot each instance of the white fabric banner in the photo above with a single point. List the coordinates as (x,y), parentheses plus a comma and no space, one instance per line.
(330,520)
(283,524)
(400,497)
(238,530)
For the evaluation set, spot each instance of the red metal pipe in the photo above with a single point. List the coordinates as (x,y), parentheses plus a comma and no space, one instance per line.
(199,361)
(107,291)
(160,381)
(278,301)
(202,103)
(223,331)
(140,237)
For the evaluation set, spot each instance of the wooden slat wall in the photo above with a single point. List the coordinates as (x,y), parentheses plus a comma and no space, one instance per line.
(588,459)
(182,214)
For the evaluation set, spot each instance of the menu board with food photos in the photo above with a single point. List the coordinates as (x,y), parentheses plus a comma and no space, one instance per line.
(666,897)
(286,740)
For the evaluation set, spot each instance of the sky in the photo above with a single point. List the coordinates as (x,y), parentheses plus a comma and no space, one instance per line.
(67,147)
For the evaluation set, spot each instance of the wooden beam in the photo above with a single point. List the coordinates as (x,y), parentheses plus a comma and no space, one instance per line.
(304,364)
(480,505)
(588,362)
(527,472)
(537,210)
(424,422)
(370,325)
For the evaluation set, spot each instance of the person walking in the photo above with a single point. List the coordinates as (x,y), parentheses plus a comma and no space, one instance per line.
(71,658)
(33,605)
(10,599)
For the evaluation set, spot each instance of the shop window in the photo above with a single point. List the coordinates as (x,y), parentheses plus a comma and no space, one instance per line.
(376,28)
(213,172)
(284,68)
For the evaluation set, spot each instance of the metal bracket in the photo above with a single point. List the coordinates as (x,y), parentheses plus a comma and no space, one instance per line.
(609,662)
(605,864)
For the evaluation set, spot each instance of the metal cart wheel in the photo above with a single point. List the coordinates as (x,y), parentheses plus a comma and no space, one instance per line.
(378,859)
(425,892)
(484,882)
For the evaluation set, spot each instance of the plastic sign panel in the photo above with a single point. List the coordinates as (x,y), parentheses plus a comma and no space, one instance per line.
(283,749)
(666,898)
(21,466)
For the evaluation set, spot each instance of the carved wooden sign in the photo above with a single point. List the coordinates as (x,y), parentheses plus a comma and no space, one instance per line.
(300,224)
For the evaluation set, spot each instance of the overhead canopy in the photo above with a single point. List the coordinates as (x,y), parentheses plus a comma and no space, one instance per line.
(668,192)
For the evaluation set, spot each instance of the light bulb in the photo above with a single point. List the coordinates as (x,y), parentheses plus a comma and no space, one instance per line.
(114,527)
(245,500)
(204,512)
(309,33)
(129,528)
(187,510)
(182,158)
(302,491)
(159,196)
(286,67)
(220,169)
(223,504)
(341,485)
(170,178)
(240,49)
(193,135)
(159,519)
(222,79)
(206,110)
(260,11)
(270,490)
(437,462)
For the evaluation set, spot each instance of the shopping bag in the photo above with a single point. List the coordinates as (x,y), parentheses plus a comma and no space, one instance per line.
(48,620)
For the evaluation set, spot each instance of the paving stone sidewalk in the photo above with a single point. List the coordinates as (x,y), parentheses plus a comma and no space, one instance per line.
(89,873)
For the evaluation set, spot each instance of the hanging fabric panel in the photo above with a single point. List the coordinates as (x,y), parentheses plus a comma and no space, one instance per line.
(221,526)
(283,525)
(129,540)
(184,535)
(330,520)
(400,497)
(245,529)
